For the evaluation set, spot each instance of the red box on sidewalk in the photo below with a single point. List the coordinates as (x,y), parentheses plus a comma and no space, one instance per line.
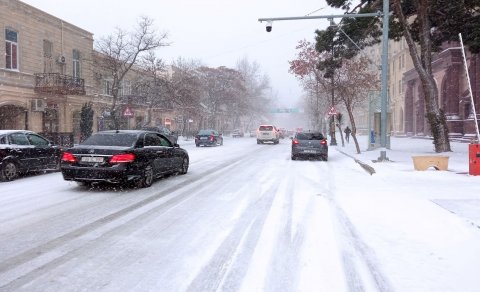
(474,159)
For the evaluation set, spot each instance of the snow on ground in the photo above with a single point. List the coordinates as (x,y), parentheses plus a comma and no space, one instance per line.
(247,218)
(424,223)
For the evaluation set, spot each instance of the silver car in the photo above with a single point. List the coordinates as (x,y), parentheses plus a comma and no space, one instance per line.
(309,145)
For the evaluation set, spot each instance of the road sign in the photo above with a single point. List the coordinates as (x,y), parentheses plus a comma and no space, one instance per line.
(127,112)
(332,111)
(284,110)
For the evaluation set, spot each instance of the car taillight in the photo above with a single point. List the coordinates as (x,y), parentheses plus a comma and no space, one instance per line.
(212,138)
(295,142)
(323,142)
(68,157)
(122,158)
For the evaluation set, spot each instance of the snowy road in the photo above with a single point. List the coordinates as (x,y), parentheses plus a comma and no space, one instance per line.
(245,218)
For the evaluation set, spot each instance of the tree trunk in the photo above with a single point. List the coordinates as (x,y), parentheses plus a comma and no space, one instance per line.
(341,134)
(354,128)
(423,64)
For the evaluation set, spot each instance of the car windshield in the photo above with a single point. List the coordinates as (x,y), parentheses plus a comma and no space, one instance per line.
(116,139)
(309,136)
(266,128)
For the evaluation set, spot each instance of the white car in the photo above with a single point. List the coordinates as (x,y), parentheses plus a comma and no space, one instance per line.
(268,133)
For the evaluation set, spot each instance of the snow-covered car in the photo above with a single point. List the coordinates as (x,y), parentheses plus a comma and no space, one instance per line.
(26,151)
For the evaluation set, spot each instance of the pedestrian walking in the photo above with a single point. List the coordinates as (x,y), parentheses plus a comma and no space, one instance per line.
(347,132)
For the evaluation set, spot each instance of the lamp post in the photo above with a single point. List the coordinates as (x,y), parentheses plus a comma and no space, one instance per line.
(333,141)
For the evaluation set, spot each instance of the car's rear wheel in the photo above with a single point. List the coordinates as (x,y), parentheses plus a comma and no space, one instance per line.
(184,168)
(259,142)
(84,184)
(294,157)
(147,178)
(9,171)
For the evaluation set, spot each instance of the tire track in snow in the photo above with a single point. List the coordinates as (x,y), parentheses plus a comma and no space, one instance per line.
(354,252)
(181,192)
(228,266)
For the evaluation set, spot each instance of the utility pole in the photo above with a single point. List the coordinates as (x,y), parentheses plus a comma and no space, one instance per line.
(384,101)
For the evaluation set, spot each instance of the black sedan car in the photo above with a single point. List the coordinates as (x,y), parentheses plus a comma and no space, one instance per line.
(123,156)
(208,138)
(25,151)
(309,145)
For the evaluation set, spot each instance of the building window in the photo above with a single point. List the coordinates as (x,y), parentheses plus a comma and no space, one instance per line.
(125,88)
(107,87)
(76,63)
(400,87)
(47,56)
(11,49)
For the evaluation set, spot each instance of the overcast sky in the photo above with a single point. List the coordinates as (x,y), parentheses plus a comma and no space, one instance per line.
(217,32)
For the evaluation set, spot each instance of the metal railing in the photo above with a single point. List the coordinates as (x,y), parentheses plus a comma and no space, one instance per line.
(56,83)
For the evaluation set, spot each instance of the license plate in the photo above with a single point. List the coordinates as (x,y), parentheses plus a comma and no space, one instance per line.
(92,159)
(203,138)
(309,151)
(265,134)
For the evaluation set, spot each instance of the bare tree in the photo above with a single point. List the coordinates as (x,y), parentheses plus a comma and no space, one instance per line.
(354,80)
(121,51)
(255,102)
(313,80)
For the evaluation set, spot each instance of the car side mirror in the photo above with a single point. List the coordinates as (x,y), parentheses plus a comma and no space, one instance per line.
(176,145)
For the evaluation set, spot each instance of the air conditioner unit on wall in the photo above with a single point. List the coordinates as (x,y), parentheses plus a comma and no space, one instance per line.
(61,59)
(38,105)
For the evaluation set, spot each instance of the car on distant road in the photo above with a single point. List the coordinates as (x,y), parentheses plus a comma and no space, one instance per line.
(268,133)
(135,157)
(24,151)
(308,144)
(237,133)
(172,136)
(208,137)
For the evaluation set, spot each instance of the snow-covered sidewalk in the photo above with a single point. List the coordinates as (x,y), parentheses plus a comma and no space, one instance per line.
(463,199)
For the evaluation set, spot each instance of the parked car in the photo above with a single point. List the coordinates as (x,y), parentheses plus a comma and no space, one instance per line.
(26,151)
(309,145)
(237,133)
(123,156)
(172,136)
(268,133)
(208,138)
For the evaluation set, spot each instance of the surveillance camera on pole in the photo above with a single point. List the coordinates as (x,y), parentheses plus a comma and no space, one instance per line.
(269,26)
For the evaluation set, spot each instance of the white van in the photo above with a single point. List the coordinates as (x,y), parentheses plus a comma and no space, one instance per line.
(268,133)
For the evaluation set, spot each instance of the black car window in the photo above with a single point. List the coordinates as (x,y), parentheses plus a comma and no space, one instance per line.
(266,128)
(37,140)
(152,140)
(205,132)
(107,139)
(309,136)
(19,139)
(165,142)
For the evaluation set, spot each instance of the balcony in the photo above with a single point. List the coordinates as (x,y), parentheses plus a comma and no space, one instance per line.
(56,83)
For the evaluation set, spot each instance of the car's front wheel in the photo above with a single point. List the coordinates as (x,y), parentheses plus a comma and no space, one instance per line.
(184,167)
(147,178)
(9,171)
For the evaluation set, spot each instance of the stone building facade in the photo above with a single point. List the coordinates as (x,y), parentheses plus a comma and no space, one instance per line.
(47,74)
(454,97)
